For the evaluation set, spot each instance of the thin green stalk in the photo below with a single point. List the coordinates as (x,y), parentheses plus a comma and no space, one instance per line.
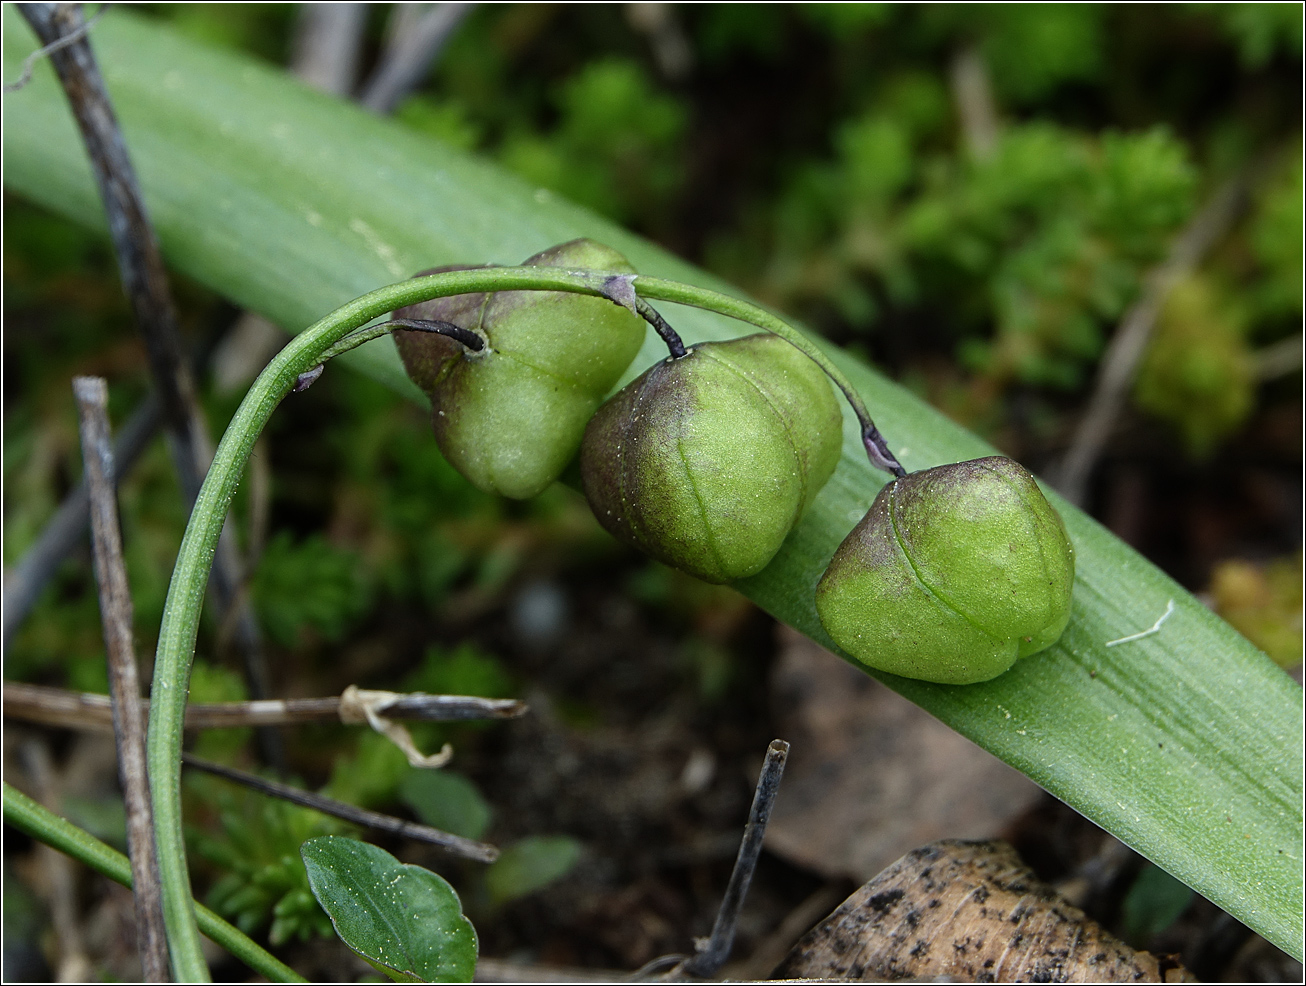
(41,824)
(181,613)
(662,290)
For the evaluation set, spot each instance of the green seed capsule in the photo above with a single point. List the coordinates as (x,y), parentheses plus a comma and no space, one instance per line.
(952,574)
(511,417)
(707,462)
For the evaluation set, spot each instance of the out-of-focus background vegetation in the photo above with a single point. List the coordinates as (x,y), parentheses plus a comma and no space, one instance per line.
(972,196)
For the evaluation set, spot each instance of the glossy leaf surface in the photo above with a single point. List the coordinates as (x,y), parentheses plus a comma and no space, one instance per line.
(399,917)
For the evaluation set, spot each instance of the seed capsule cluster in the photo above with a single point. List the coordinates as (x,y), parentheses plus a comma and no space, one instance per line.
(708,460)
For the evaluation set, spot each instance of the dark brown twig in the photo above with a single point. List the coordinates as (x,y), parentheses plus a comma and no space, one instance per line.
(30,61)
(124,687)
(711,956)
(88,711)
(670,336)
(145,281)
(481,852)
(139,262)
(68,525)
(1127,346)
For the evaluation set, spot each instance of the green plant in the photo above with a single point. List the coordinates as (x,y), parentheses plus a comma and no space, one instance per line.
(1185,743)
(664,461)
(447,801)
(40,823)
(1153,903)
(509,410)
(530,865)
(264,883)
(953,574)
(615,148)
(309,585)
(404,920)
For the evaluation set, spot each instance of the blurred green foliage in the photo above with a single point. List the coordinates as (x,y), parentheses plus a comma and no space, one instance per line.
(613,147)
(311,584)
(1153,903)
(1265,603)
(1018,255)
(447,801)
(461,670)
(530,865)
(1276,236)
(1197,372)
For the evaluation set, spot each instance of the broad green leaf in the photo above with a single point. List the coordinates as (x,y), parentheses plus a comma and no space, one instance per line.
(529,865)
(449,802)
(1186,744)
(399,917)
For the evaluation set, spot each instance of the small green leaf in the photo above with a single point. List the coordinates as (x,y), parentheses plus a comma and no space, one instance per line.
(526,866)
(401,918)
(446,801)
(1153,903)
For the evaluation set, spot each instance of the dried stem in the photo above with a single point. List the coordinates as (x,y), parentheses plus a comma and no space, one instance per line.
(327,44)
(30,61)
(1127,346)
(68,525)
(669,335)
(481,852)
(140,263)
(145,281)
(713,954)
(124,687)
(976,109)
(73,965)
(469,339)
(410,53)
(88,711)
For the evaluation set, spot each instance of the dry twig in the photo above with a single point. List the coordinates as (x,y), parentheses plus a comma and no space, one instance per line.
(128,723)
(481,852)
(327,45)
(57,870)
(410,54)
(87,711)
(976,108)
(1127,346)
(145,281)
(712,954)
(67,527)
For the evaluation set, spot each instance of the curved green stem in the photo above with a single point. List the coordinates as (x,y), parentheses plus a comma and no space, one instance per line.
(176,647)
(41,824)
(181,615)
(661,290)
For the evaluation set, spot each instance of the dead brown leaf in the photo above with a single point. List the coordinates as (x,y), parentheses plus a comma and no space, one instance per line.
(973,912)
(871,775)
